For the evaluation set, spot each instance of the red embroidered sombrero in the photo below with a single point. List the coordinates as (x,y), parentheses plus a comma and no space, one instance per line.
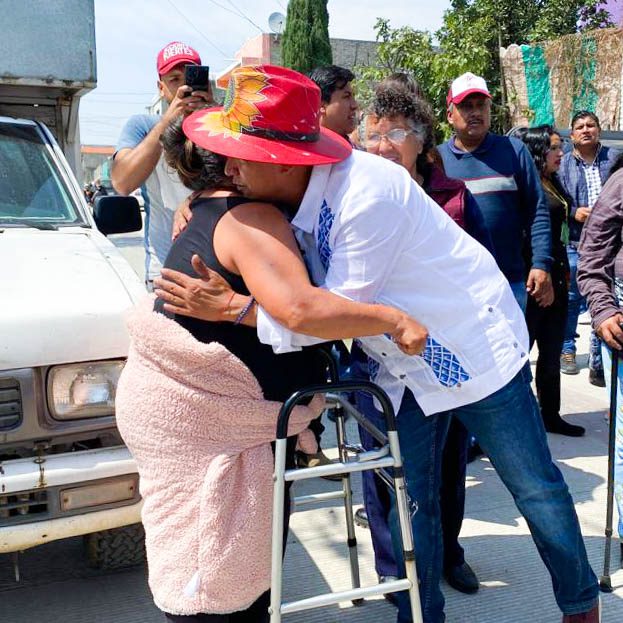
(270,114)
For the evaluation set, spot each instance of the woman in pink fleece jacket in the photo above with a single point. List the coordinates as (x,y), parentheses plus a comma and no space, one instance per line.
(198,400)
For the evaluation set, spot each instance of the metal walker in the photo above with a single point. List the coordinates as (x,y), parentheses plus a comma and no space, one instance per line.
(387,462)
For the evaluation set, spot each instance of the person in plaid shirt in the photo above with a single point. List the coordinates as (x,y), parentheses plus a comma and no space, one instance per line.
(582,173)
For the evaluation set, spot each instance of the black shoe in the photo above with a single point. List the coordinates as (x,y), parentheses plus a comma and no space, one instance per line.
(462,578)
(596,377)
(557,425)
(473,452)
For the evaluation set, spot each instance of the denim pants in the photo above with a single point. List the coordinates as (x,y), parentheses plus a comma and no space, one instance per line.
(376,497)
(618,448)
(520,293)
(509,428)
(576,301)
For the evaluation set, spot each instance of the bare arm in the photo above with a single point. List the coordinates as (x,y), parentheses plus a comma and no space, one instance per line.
(268,259)
(266,256)
(131,167)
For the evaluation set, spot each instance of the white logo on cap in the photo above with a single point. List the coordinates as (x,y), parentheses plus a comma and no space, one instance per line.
(175,49)
(468,81)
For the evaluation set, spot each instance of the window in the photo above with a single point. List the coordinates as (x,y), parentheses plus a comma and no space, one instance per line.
(32,190)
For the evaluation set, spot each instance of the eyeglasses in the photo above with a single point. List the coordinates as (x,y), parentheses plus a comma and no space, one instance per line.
(397,136)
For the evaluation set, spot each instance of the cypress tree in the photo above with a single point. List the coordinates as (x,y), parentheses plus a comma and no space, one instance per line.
(305,42)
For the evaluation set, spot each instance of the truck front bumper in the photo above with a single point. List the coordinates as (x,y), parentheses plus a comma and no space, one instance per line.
(31,512)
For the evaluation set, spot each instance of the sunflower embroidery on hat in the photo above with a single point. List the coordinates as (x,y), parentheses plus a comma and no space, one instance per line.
(325,222)
(239,108)
(271,115)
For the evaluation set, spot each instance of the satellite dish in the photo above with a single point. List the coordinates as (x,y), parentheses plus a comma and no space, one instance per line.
(276,22)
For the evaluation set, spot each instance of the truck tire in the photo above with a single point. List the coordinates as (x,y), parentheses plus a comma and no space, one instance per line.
(116,548)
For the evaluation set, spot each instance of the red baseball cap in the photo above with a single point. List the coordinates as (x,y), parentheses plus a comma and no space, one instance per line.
(465,85)
(271,114)
(176,53)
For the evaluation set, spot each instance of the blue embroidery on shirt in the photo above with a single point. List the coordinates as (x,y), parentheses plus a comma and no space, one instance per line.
(444,364)
(373,368)
(325,221)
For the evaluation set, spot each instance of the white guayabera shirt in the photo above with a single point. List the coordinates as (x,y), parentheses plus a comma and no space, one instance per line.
(370,233)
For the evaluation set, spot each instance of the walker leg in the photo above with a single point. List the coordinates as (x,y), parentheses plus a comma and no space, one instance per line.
(348,503)
(277,537)
(406,532)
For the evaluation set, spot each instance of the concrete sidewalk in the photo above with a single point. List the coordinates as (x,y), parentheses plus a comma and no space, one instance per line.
(57,586)
(515,585)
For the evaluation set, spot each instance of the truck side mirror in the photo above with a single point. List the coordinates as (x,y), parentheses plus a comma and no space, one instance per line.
(115,214)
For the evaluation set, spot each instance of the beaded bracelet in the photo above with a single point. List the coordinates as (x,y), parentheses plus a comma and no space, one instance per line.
(245,310)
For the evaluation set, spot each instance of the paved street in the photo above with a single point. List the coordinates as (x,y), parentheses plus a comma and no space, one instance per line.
(57,586)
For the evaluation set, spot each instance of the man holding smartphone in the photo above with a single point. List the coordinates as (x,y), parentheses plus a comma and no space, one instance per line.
(138,160)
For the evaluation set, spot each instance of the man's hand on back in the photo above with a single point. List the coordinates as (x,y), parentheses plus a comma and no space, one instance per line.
(208,297)
(182,215)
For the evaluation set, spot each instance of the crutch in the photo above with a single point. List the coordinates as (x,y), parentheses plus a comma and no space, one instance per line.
(605,584)
(387,457)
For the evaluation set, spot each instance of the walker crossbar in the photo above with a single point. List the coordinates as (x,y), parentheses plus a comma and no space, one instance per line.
(336,598)
(293,475)
(364,422)
(386,461)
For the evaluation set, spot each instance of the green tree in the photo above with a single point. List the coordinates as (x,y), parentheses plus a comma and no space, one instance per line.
(469,40)
(305,42)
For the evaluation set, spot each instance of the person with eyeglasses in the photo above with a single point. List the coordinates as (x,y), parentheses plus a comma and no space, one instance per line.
(399,127)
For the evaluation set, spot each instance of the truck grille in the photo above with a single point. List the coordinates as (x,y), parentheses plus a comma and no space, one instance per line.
(22,506)
(10,404)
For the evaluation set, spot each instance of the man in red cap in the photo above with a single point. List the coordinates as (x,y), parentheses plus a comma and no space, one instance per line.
(503,179)
(138,162)
(369,233)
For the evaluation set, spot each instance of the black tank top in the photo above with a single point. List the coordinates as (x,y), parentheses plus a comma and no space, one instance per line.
(278,375)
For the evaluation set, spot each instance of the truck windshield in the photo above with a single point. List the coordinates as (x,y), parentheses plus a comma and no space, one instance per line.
(32,190)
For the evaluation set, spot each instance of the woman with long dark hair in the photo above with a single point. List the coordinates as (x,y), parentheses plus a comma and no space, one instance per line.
(546,325)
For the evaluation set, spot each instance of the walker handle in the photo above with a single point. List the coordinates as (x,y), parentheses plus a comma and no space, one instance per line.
(344,386)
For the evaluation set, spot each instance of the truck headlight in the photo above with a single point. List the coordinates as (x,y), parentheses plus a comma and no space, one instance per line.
(83,390)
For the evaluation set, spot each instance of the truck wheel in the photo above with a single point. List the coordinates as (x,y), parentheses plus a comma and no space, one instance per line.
(116,548)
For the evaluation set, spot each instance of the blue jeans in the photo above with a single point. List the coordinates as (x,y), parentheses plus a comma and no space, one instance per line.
(576,303)
(376,497)
(509,428)
(520,293)
(618,449)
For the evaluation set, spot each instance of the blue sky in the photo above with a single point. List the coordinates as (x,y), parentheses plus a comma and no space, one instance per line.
(129,34)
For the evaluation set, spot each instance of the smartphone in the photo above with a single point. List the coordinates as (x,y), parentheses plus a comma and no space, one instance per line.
(197,77)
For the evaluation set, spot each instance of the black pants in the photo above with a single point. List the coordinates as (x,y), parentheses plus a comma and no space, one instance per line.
(257,612)
(546,327)
(452,493)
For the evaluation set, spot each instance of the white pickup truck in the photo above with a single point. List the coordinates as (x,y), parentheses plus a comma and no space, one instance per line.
(64,288)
